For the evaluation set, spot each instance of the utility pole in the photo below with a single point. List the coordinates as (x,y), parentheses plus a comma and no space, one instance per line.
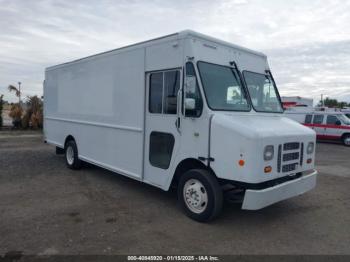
(322,105)
(19,89)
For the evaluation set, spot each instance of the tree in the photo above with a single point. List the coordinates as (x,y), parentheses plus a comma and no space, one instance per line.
(17,91)
(16,115)
(33,116)
(343,104)
(333,103)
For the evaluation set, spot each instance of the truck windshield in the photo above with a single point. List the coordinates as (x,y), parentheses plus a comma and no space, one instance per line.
(223,88)
(263,92)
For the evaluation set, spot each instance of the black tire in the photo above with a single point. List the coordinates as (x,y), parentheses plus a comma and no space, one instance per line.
(213,191)
(72,161)
(346,139)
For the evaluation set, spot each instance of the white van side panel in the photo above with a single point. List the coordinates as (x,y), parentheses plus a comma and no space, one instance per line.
(296,116)
(100,102)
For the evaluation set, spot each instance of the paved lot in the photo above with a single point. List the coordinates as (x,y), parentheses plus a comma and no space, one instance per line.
(47,209)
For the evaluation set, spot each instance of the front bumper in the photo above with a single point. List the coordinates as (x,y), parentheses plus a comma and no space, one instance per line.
(257,199)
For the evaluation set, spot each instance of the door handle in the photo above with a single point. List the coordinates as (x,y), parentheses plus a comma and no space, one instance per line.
(177,122)
(178,110)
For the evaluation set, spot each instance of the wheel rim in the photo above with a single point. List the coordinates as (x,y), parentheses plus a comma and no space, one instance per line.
(347,141)
(195,196)
(70,155)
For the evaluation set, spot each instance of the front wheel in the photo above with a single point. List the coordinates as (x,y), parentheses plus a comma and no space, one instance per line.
(71,153)
(200,195)
(346,140)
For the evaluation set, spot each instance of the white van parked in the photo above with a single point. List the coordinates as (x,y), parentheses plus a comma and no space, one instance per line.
(328,125)
(183,110)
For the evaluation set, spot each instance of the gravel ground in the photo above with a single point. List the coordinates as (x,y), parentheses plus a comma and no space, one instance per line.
(46,208)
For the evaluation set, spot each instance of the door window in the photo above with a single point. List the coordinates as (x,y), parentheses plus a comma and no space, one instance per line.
(308,119)
(160,149)
(192,91)
(318,119)
(156,93)
(164,87)
(332,120)
(171,87)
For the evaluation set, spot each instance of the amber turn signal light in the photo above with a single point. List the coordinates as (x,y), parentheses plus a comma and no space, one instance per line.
(267,169)
(241,162)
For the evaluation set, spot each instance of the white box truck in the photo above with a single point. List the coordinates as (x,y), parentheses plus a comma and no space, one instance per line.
(184,110)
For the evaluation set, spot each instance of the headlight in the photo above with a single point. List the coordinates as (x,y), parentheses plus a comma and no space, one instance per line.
(268,153)
(310,148)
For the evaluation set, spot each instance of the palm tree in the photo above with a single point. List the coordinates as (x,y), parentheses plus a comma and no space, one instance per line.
(17,91)
(33,116)
(16,109)
(16,115)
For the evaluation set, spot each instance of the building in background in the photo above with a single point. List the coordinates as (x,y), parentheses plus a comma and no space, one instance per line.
(296,101)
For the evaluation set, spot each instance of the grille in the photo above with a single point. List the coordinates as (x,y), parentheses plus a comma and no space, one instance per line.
(301,154)
(279,158)
(289,167)
(291,156)
(291,146)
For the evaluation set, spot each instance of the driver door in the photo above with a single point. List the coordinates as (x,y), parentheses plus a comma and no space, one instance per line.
(333,128)
(161,131)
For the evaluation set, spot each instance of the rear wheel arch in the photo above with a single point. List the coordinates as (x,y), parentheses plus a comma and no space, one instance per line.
(343,137)
(71,153)
(69,138)
(345,134)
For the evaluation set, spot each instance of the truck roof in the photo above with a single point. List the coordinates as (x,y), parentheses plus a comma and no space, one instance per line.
(216,40)
(180,35)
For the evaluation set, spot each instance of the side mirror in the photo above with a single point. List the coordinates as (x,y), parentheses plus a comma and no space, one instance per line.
(190,104)
(338,123)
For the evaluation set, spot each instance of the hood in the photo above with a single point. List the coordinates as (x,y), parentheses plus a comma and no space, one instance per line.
(262,125)
(236,136)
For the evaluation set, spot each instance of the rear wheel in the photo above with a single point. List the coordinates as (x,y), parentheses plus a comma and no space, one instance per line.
(71,153)
(200,195)
(346,140)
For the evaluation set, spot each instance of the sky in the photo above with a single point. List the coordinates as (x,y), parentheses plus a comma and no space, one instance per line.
(307,41)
